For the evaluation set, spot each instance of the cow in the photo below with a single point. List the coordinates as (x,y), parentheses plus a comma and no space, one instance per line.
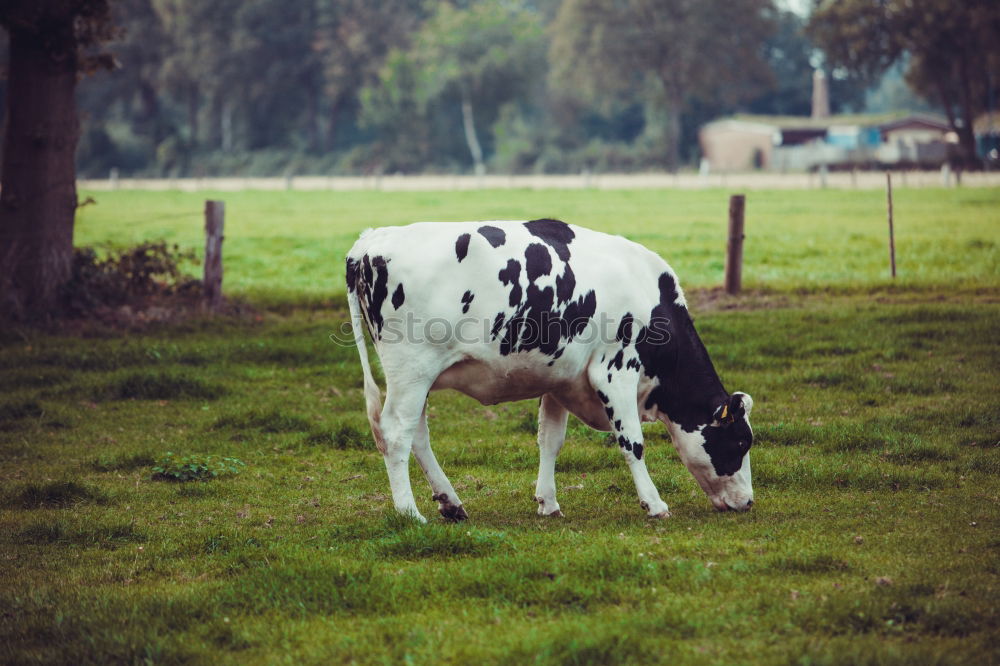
(588,323)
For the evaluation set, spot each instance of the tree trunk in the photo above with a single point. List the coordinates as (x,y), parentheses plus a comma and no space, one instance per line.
(966,133)
(38,197)
(333,123)
(468,122)
(192,113)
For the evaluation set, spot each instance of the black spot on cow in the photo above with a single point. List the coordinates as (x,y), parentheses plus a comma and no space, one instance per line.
(540,323)
(511,275)
(380,291)
(466,301)
(668,288)
(637,451)
(624,333)
(578,313)
(609,411)
(494,235)
(726,445)
(555,233)
(352,275)
(689,389)
(462,246)
(371,283)
(398,297)
(537,261)
(366,270)
(603,398)
(633,364)
(534,325)
(565,284)
(624,442)
(618,424)
(497,323)
(616,360)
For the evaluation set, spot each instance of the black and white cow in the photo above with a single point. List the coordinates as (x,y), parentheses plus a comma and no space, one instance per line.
(593,324)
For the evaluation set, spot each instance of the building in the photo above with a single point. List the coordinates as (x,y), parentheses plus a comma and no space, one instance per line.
(788,143)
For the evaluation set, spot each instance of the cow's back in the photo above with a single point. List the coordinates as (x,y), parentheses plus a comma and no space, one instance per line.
(501,303)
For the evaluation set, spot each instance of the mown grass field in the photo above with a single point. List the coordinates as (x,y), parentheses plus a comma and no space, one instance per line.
(874,536)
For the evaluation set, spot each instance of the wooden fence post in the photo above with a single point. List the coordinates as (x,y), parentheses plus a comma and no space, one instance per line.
(215,214)
(734,248)
(892,236)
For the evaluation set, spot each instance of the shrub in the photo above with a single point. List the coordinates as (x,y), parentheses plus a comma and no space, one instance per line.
(172,467)
(126,275)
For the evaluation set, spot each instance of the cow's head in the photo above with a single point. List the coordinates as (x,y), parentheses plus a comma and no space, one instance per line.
(717,453)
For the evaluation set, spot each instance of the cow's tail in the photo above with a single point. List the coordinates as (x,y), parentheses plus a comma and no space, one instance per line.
(373,396)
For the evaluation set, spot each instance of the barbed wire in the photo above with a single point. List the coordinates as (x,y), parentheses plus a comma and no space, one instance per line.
(118,224)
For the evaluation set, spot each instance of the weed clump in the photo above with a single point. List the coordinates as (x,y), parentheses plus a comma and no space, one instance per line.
(163,386)
(122,463)
(12,414)
(419,541)
(274,420)
(346,436)
(55,494)
(172,467)
(58,533)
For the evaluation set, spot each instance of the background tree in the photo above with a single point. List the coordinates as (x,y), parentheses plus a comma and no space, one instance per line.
(51,41)
(953,50)
(480,58)
(689,49)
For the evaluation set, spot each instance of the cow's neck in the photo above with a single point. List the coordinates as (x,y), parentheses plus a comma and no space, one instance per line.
(690,388)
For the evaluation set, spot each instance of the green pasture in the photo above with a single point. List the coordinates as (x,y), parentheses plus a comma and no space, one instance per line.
(874,538)
(290,246)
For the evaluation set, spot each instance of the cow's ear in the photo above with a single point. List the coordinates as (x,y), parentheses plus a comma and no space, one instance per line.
(741,404)
(736,406)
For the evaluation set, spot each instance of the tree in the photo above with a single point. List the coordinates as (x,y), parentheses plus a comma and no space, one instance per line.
(350,44)
(51,41)
(480,57)
(953,50)
(687,49)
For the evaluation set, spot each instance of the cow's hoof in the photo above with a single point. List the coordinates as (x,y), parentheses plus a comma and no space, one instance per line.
(663,515)
(544,511)
(453,512)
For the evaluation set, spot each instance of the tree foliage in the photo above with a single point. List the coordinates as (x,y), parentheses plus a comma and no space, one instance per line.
(953,49)
(688,49)
(354,86)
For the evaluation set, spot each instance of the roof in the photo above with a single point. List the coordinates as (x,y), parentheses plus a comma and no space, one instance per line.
(891,120)
(988,123)
(921,121)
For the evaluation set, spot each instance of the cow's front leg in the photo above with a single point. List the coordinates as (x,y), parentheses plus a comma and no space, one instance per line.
(400,417)
(449,505)
(619,399)
(551,435)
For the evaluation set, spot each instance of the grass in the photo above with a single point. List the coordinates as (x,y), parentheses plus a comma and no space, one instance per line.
(289,246)
(873,540)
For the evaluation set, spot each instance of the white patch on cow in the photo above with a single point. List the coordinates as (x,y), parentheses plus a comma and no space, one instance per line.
(725,492)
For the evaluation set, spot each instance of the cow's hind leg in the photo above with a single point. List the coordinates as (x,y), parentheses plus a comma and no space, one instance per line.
(449,505)
(400,419)
(551,435)
(618,397)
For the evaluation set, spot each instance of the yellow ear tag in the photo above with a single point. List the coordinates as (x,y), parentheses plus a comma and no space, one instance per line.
(725,412)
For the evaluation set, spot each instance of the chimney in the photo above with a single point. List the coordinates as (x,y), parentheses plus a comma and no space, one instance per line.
(821,95)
